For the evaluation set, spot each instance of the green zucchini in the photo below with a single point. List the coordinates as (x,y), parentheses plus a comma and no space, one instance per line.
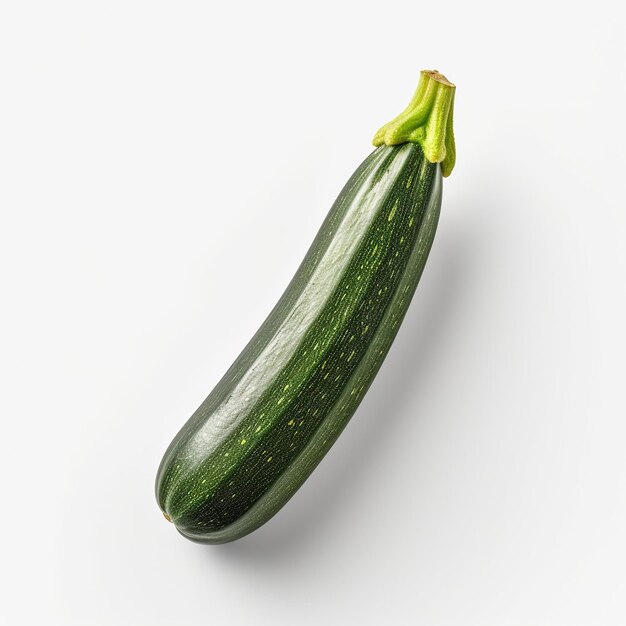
(289,394)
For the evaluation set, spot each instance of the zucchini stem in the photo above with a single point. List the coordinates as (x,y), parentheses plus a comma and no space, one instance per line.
(427,120)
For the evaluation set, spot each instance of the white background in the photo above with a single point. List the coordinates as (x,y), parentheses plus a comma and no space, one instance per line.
(164,167)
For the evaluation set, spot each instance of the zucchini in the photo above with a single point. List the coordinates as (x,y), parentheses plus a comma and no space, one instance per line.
(289,394)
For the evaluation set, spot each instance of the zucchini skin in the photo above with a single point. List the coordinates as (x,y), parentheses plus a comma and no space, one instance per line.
(287,397)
